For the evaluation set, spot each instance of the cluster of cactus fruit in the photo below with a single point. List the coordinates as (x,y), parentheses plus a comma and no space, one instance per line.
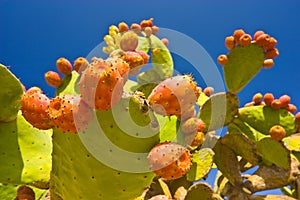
(164,124)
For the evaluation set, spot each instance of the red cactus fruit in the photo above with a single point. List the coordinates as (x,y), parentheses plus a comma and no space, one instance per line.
(268,63)
(263,40)
(101,85)
(80,64)
(122,66)
(64,66)
(136,28)
(174,96)
(53,79)
(257,34)
(129,41)
(238,34)
(268,99)
(165,41)
(257,98)
(208,91)
(291,108)
(69,113)
(276,104)
(34,106)
(123,27)
(285,100)
(155,30)
(272,53)
(144,55)
(169,160)
(297,117)
(245,40)
(229,42)
(25,193)
(160,197)
(277,132)
(147,23)
(222,59)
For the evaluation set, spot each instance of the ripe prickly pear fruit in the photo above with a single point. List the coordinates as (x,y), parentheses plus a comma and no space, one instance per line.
(160,197)
(25,193)
(208,91)
(123,27)
(263,40)
(129,41)
(245,40)
(277,132)
(80,64)
(147,23)
(64,66)
(268,63)
(222,59)
(70,113)
(169,160)
(285,100)
(134,60)
(34,106)
(136,28)
(257,98)
(237,34)
(229,42)
(272,53)
(297,117)
(268,99)
(174,96)
(53,79)
(291,108)
(101,85)
(276,104)
(257,34)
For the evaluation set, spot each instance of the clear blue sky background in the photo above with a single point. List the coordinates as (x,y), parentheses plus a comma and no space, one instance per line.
(33,34)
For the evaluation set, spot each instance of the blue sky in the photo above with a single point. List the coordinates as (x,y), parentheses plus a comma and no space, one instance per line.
(33,34)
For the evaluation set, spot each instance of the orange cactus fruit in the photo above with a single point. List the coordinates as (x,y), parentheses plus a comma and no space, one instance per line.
(271,43)
(268,99)
(148,31)
(268,63)
(297,117)
(291,108)
(222,59)
(147,23)
(229,42)
(257,98)
(53,79)
(136,28)
(276,104)
(285,100)
(165,41)
(257,34)
(263,40)
(80,64)
(123,27)
(129,41)
(238,34)
(277,132)
(155,30)
(249,104)
(208,91)
(64,66)
(245,40)
(272,53)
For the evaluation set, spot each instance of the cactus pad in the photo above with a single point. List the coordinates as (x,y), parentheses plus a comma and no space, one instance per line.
(10,95)
(219,110)
(243,64)
(26,152)
(202,190)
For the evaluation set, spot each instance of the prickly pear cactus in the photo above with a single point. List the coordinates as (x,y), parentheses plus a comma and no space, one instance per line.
(106,136)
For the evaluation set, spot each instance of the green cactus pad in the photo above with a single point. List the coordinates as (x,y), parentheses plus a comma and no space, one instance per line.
(162,63)
(69,84)
(293,142)
(25,153)
(10,95)
(143,44)
(168,128)
(242,146)
(262,118)
(274,152)
(243,64)
(202,162)
(219,110)
(227,163)
(201,191)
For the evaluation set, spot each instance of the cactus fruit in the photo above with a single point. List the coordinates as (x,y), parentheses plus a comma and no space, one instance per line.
(129,41)
(169,160)
(268,99)
(222,59)
(245,40)
(174,95)
(123,27)
(69,113)
(64,66)
(101,85)
(230,42)
(238,34)
(277,132)
(257,34)
(53,79)
(80,64)
(34,106)
(257,98)
(25,193)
